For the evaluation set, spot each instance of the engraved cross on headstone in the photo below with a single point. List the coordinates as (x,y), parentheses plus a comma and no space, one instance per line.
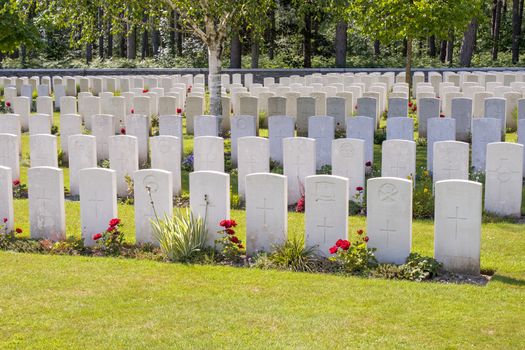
(388,231)
(264,208)
(324,226)
(456,219)
(94,199)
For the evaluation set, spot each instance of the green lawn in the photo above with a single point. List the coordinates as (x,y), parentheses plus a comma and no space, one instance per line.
(50,302)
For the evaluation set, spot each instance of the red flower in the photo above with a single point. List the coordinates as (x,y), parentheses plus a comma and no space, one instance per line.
(369,163)
(355,106)
(227,223)
(132,111)
(97,236)
(333,249)
(19,230)
(16,183)
(234,239)
(414,109)
(8,104)
(359,232)
(300,205)
(339,243)
(5,220)
(145,91)
(345,245)
(359,188)
(123,131)
(240,246)
(114,222)
(233,223)
(410,104)
(230,231)
(365,239)
(111,229)
(179,110)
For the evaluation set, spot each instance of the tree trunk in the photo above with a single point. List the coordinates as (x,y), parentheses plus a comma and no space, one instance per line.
(408,68)
(307,41)
(443,51)
(405,48)
(450,47)
(214,78)
(516,31)
(23,54)
(110,41)
(469,43)
(497,23)
(132,44)
(122,37)
(155,41)
(377,48)
(178,35)
(235,50)
(341,39)
(100,27)
(145,35)
(89,53)
(432,50)
(271,36)
(255,53)
(173,20)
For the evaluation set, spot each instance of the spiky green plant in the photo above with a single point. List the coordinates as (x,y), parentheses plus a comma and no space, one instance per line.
(180,236)
(295,256)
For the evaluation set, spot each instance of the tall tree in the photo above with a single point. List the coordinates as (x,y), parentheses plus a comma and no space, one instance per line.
(496,24)
(235,50)
(391,20)
(16,27)
(341,39)
(469,43)
(516,30)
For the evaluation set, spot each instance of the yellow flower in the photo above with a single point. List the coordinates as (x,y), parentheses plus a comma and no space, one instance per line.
(426,173)
(425,190)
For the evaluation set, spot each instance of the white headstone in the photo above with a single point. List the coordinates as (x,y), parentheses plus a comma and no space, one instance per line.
(137,125)
(399,128)
(279,128)
(439,129)
(151,185)
(102,128)
(124,159)
(461,111)
(6,198)
(208,153)
(254,157)
(348,161)
(40,124)
(298,163)
(165,155)
(82,151)
(503,179)
(322,130)
(305,110)
(70,124)
(47,217)
(241,125)
(451,161)
(389,218)
(457,225)
(397,107)
(210,200)
(326,216)
(362,128)
(427,108)
(266,212)
(98,201)
(399,159)
(171,125)
(484,131)
(43,150)
(206,125)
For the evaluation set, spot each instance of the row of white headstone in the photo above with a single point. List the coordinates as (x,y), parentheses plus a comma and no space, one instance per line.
(389,204)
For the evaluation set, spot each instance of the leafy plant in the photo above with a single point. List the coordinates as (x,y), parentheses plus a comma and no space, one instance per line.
(230,245)
(180,236)
(187,163)
(19,189)
(110,242)
(293,255)
(353,257)
(423,198)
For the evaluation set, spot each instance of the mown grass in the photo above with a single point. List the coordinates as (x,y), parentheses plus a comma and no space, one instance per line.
(49,302)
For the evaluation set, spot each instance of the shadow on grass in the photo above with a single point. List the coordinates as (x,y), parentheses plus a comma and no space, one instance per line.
(508,280)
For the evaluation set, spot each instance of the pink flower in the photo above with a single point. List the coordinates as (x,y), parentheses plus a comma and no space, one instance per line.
(132,111)
(16,183)
(8,104)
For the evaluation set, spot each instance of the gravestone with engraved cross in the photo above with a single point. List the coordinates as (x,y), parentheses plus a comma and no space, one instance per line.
(254,157)
(241,125)
(165,155)
(326,216)
(399,128)
(210,200)
(484,131)
(102,128)
(298,163)
(399,159)
(279,128)
(82,154)
(124,159)
(322,130)
(451,161)
(503,179)
(266,212)
(362,128)
(43,150)
(153,201)
(137,125)
(348,161)
(457,228)
(47,218)
(208,152)
(98,201)
(439,129)
(389,218)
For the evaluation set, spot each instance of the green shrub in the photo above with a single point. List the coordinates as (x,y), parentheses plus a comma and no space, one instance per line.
(353,257)
(293,255)
(423,197)
(180,236)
